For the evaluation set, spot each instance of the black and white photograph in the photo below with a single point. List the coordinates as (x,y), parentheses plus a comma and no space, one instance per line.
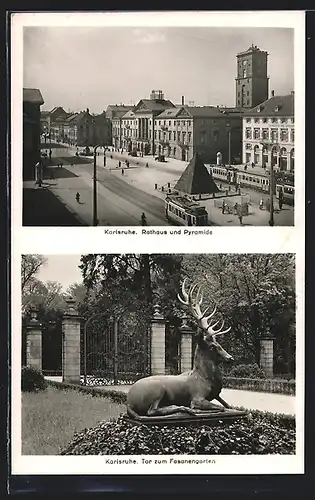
(140,347)
(159,125)
(158,354)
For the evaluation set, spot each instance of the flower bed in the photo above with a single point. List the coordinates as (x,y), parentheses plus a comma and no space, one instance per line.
(259,433)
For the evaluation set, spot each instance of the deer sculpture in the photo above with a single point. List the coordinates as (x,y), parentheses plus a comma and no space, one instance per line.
(190,392)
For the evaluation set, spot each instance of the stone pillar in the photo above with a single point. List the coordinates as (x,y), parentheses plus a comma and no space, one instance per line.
(34,342)
(71,344)
(185,347)
(266,355)
(158,343)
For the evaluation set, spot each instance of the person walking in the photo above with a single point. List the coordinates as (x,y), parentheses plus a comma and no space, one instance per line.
(122,171)
(143,219)
(119,164)
(223,206)
(261,204)
(77,197)
(280,198)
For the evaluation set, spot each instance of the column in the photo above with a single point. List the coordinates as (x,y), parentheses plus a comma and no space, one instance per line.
(34,342)
(158,343)
(185,347)
(71,344)
(266,355)
(288,160)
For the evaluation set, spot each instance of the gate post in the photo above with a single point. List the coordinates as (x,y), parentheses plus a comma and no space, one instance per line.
(34,342)
(158,343)
(266,355)
(71,344)
(186,333)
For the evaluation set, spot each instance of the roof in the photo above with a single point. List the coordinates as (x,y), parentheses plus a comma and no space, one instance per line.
(119,107)
(170,113)
(130,114)
(275,106)
(154,105)
(196,179)
(209,111)
(250,50)
(33,95)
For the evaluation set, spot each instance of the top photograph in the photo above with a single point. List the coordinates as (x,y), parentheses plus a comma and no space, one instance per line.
(158,126)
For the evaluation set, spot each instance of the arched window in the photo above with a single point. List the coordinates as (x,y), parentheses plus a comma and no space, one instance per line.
(256,154)
(283,159)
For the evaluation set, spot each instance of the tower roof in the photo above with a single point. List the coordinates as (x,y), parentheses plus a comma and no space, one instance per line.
(196,179)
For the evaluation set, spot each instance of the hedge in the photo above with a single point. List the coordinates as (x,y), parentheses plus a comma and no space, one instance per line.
(278,386)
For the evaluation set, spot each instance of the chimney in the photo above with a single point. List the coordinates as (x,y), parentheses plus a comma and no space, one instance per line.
(183,100)
(272,93)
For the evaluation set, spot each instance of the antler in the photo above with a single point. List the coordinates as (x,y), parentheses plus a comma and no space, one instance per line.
(194,304)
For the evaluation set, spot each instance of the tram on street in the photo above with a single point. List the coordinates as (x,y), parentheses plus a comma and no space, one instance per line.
(185,212)
(287,190)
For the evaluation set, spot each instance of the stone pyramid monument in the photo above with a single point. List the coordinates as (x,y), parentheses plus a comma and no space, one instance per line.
(196,179)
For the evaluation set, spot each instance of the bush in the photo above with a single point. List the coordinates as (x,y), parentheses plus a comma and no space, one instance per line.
(259,433)
(247,371)
(32,380)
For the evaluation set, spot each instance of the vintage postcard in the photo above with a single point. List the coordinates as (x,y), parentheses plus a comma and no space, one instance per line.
(142,344)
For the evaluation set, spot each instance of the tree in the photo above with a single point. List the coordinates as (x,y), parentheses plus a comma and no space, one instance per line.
(254,293)
(30,266)
(123,280)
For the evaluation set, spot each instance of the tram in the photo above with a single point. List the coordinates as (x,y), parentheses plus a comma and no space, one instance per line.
(287,190)
(185,212)
(256,180)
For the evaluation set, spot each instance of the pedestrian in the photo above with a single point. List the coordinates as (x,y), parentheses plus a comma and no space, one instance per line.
(261,204)
(240,218)
(280,199)
(143,219)
(122,171)
(77,197)
(236,208)
(61,165)
(223,206)
(147,165)
(52,177)
(119,164)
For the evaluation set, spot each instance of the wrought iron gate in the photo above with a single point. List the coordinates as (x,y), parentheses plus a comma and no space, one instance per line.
(116,349)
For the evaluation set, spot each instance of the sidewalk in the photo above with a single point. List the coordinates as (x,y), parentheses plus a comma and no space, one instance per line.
(263,401)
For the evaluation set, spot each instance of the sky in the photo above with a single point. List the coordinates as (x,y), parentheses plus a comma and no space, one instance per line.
(61,268)
(92,67)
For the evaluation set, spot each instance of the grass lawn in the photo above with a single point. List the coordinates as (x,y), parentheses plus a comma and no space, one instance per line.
(51,417)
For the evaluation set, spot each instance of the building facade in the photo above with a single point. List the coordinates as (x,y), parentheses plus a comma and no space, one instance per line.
(32,101)
(268,133)
(181,132)
(252,79)
(80,129)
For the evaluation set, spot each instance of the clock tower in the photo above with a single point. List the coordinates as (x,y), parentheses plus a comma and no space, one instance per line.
(252,80)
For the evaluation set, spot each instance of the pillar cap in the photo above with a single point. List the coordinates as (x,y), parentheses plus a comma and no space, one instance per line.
(157,314)
(33,322)
(71,310)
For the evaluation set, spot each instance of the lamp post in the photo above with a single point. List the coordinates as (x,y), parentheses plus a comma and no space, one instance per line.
(228,125)
(95,221)
(271,181)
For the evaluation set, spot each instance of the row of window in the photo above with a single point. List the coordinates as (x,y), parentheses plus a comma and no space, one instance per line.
(162,122)
(283,119)
(274,151)
(267,134)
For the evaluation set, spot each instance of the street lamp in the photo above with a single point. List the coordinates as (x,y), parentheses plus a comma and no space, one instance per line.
(270,144)
(228,125)
(95,221)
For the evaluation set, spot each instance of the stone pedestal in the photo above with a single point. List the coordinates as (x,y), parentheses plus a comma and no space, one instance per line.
(71,344)
(185,347)
(34,343)
(158,344)
(266,356)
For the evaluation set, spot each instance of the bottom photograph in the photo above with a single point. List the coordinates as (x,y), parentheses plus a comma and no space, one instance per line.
(158,354)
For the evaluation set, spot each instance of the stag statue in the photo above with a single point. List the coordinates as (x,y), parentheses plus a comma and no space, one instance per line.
(190,392)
